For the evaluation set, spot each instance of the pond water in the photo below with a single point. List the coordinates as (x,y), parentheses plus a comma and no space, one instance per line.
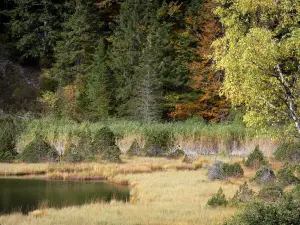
(27,195)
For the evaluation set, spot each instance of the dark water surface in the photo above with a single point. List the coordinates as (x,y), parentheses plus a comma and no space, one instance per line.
(26,195)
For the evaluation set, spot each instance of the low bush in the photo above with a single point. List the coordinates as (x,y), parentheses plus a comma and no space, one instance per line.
(233,170)
(218,199)
(10,129)
(220,171)
(39,150)
(285,175)
(264,175)
(288,151)
(270,193)
(256,159)
(103,140)
(134,149)
(178,153)
(112,154)
(72,155)
(243,195)
(158,143)
(286,211)
(215,172)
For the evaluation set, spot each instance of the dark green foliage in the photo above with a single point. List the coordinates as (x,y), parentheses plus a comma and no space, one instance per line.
(74,51)
(270,193)
(39,150)
(158,143)
(243,195)
(288,151)
(134,149)
(72,155)
(264,175)
(285,175)
(286,211)
(103,144)
(10,129)
(176,154)
(103,140)
(220,171)
(35,26)
(218,199)
(100,86)
(233,170)
(255,159)
(112,154)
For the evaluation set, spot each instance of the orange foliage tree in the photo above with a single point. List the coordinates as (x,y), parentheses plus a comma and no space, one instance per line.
(205,28)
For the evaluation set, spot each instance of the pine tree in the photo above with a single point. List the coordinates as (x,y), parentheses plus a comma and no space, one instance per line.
(100,86)
(151,71)
(35,25)
(126,50)
(74,52)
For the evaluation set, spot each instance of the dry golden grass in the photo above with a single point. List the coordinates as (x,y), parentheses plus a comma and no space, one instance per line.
(160,195)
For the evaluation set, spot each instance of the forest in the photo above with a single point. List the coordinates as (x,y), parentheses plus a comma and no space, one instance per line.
(89,60)
(194,105)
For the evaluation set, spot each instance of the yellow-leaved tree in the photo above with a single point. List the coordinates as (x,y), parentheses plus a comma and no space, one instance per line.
(260,54)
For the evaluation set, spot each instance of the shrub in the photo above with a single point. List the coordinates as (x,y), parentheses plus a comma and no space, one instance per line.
(216,172)
(270,193)
(255,159)
(158,143)
(176,154)
(134,149)
(264,175)
(285,175)
(39,151)
(112,154)
(72,155)
(288,151)
(10,129)
(243,195)
(285,211)
(221,171)
(103,140)
(233,170)
(218,199)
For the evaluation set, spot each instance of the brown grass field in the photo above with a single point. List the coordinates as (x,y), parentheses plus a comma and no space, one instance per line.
(163,192)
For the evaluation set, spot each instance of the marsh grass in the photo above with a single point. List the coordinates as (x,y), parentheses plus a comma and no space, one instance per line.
(62,132)
(159,194)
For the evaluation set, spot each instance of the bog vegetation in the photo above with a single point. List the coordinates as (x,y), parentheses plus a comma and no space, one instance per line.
(95,87)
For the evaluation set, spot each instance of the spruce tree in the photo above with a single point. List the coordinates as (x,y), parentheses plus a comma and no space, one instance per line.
(35,25)
(152,68)
(126,51)
(100,86)
(74,51)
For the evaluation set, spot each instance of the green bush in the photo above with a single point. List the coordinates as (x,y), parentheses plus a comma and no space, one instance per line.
(243,195)
(233,170)
(134,149)
(158,143)
(284,212)
(72,155)
(220,171)
(39,151)
(270,193)
(218,199)
(256,159)
(285,175)
(288,151)
(176,154)
(10,129)
(112,154)
(103,140)
(264,175)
